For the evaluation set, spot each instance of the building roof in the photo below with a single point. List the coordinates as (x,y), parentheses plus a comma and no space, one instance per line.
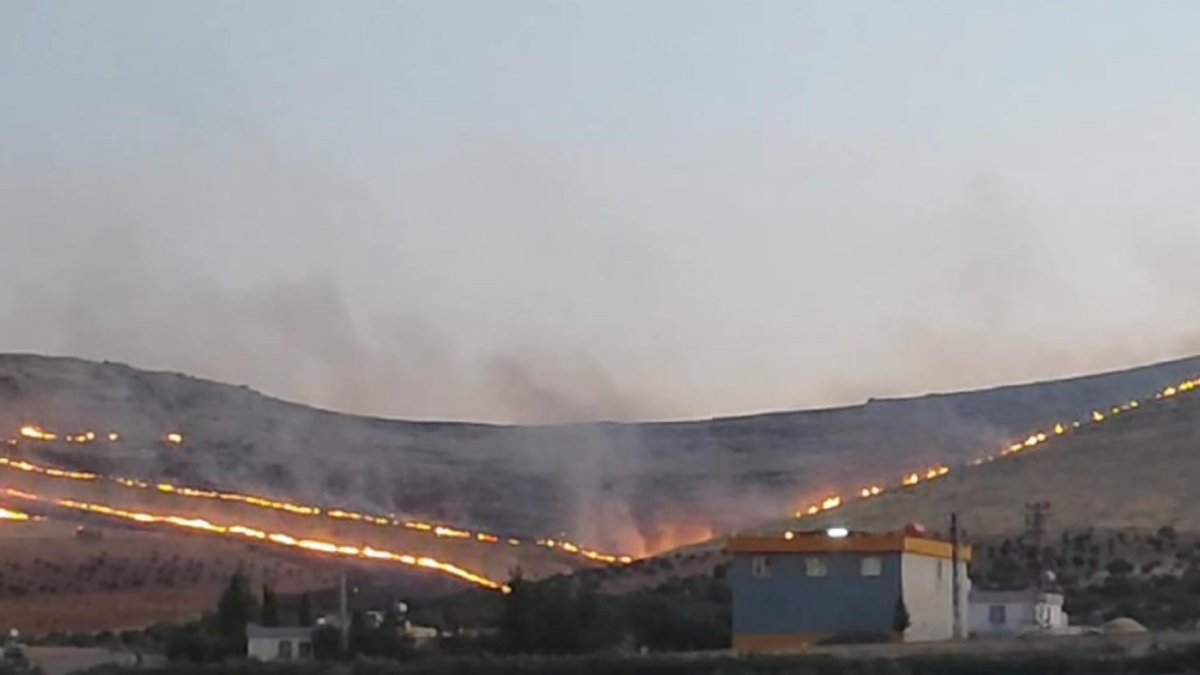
(819,542)
(1009,597)
(254,630)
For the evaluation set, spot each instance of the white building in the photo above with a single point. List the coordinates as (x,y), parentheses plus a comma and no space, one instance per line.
(420,635)
(994,613)
(278,643)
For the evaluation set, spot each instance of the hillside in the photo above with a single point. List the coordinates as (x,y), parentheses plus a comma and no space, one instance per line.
(114,579)
(632,487)
(1134,471)
(1121,490)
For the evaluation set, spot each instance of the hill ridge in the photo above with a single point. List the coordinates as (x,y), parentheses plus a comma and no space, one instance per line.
(628,487)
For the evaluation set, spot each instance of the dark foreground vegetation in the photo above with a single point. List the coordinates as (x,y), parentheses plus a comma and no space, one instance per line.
(558,616)
(1095,662)
(567,615)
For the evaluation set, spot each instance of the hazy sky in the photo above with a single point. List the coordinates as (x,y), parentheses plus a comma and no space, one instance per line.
(560,210)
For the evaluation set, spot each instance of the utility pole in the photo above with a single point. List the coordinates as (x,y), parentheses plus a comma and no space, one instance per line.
(343,617)
(1036,514)
(956,583)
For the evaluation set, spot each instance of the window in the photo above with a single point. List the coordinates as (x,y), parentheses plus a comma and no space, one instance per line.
(760,566)
(997,615)
(871,566)
(306,649)
(940,572)
(285,650)
(815,567)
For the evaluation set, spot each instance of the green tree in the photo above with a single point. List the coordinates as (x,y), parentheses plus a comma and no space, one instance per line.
(681,615)
(382,641)
(361,634)
(900,619)
(1119,567)
(305,617)
(391,643)
(270,607)
(516,621)
(326,642)
(546,617)
(236,608)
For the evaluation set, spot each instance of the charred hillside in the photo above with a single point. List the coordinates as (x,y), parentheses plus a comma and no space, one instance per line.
(636,487)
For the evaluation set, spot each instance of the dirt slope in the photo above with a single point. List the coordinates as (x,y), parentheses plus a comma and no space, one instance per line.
(52,580)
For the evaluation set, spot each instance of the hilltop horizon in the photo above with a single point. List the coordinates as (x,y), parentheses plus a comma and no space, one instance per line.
(717,416)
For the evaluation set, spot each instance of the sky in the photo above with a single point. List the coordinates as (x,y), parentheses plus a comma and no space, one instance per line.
(555,211)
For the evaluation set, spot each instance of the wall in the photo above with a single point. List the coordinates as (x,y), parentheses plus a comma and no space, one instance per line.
(1019,616)
(788,603)
(928,597)
(1054,611)
(267,648)
(263,649)
(1016,614)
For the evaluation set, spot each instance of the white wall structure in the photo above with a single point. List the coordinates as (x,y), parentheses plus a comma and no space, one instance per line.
(418,634)
(995,613)
(927,584)
(278,643)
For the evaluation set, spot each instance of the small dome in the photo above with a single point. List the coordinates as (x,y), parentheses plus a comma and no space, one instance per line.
(1124,624)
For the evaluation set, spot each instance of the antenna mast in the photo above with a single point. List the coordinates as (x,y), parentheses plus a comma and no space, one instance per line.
(956,583)
(343,616)
(1036,514)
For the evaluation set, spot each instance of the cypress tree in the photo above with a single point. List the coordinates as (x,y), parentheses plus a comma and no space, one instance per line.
(270,607)
(305,617)
(236,608)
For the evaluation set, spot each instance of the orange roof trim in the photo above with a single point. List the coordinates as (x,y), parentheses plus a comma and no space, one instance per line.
(855,543)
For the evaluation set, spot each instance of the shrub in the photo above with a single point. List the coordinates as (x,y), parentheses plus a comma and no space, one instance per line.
(1119,567)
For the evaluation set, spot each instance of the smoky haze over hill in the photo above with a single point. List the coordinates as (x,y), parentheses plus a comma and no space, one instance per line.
(635,487)
(599,211)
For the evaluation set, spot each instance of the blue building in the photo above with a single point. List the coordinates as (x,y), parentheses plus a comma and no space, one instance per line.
(797,590)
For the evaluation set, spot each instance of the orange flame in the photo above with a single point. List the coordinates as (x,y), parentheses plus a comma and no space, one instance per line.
(870,491)
(37,433)
(278,538)
(9,514)
(438,530)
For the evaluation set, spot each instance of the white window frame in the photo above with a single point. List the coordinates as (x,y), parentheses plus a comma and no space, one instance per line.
(871,566)
(998,611)
(816,567)
(760,567)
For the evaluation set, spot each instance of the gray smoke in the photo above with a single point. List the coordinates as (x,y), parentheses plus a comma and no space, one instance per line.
(352,240)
